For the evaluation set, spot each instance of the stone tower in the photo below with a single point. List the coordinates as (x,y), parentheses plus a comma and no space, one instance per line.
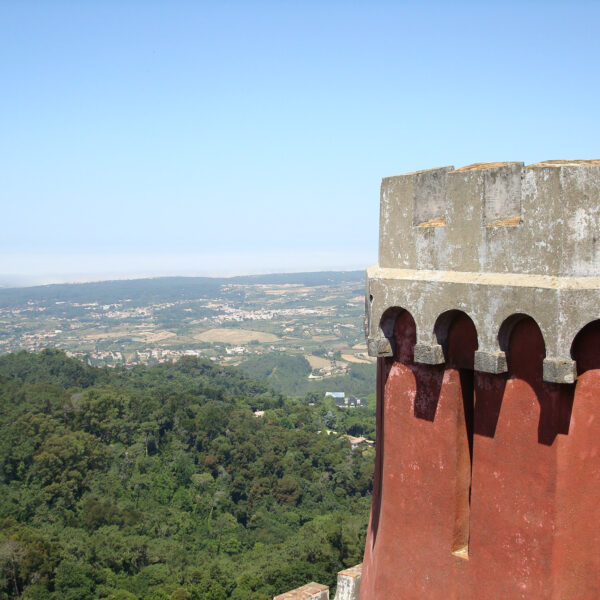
(484,311)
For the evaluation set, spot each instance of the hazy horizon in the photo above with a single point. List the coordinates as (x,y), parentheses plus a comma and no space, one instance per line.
(102,268)
(217,269)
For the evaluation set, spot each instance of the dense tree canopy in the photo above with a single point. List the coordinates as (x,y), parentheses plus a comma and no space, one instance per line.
(160,483)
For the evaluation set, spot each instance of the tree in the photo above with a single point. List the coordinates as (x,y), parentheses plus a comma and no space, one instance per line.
(11,556)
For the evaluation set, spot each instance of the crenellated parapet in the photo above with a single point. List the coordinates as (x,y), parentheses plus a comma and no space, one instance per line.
(347,588)
(497,241)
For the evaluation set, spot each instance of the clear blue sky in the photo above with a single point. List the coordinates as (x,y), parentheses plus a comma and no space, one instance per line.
(146,138)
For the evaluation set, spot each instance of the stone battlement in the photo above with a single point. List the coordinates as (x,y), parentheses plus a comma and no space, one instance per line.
(542,219)
(497,241)
(348,588)
(310,591)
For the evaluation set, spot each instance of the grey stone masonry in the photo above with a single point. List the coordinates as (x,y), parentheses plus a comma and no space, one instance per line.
(348,588)
(497,241)
(348,583)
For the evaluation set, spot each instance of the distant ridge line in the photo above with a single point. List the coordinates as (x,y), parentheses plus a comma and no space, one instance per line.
(182,286)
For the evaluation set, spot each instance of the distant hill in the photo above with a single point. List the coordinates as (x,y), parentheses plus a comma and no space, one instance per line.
(145,291)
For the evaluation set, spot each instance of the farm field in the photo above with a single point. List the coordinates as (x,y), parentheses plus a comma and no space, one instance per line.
(317,362)
(235,336)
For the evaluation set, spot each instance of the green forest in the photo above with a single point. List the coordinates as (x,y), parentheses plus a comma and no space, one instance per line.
(288,374)
(160,483)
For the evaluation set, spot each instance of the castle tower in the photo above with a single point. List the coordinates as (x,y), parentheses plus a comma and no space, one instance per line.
(484,313)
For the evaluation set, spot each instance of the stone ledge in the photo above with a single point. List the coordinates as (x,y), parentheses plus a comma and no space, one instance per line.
(508,280)
(310,591)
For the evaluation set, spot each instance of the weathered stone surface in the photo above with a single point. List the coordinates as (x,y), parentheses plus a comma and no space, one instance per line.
(482,259)
(348,583)
(560,371)
(310,591)
(379,346)
(556,205)
(490,362)
(429,354)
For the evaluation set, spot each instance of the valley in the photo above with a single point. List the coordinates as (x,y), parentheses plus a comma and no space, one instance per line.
(307,327)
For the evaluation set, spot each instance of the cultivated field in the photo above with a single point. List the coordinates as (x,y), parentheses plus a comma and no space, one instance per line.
(355,359)
(316,362)
(235,336)
(318,316)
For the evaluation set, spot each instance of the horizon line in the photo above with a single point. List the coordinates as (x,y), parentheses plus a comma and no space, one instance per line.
(58,279)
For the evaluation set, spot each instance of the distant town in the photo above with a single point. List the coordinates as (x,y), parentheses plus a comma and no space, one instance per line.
(227,322)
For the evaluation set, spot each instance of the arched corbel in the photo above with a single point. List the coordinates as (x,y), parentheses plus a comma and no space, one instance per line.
(382,343)
(493,358)
(432,351)
(558,366)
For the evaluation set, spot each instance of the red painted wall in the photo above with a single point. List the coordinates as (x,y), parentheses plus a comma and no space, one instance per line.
(506,464)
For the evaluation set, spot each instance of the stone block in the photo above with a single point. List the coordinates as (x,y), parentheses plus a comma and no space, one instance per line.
(379,347)
(348,583)
(559,371)
(310,591)
(490,362)
(429,354)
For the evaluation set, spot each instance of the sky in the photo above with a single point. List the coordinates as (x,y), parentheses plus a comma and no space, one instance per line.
(216,138)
